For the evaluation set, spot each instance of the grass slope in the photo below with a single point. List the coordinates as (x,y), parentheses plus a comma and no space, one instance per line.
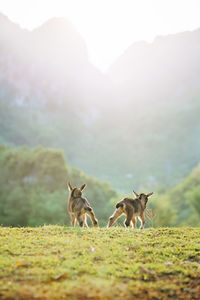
(54,262)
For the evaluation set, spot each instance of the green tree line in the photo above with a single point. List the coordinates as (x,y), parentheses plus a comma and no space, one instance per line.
(33,191)
(34,187)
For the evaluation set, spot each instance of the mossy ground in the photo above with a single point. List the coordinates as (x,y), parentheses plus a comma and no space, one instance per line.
(53,262)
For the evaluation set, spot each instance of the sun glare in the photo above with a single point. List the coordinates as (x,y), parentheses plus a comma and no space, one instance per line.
(109,26)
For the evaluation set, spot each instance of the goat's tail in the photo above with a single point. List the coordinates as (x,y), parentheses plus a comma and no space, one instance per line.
(120,204)
(87,208)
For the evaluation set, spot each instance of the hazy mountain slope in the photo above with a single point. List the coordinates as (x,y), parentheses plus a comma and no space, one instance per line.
(167,68)
(49,63)
(158,84)
(137,125)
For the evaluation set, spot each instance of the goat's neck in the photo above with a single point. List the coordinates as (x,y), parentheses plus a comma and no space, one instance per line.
(143,202)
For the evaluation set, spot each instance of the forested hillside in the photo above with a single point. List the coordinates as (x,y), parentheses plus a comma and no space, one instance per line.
(34,192)
(185,200)
(137,125)
(34,188)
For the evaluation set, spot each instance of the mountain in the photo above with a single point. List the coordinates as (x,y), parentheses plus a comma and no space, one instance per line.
(136,126)
(158,83)
(167,68)
(50,61)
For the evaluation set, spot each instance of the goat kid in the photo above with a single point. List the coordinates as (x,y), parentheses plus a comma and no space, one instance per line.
(78,207)
(132,208)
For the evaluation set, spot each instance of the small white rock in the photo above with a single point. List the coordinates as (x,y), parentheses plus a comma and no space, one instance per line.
(168,263)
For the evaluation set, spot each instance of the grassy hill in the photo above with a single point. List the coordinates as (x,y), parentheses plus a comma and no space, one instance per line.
(53,262)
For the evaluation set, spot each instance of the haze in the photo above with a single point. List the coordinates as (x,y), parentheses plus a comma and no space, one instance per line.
(109,27)
(133,126)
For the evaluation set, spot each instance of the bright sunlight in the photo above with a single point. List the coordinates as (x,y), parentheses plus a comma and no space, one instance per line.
(109,26)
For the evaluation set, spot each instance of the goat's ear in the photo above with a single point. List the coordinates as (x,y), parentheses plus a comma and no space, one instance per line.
(69,186)
(148,195)
(137,195)
(82,187)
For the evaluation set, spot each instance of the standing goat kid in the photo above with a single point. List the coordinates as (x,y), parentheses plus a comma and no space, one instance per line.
(132,208)
(78,207)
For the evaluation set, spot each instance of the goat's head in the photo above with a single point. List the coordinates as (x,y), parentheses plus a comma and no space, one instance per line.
(143,197)
(75,192)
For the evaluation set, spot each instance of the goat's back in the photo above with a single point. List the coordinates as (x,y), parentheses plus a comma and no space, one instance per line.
(77,204)
(130,204)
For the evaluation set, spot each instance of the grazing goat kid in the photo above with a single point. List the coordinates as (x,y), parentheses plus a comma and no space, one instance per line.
(132,208)
(78,207)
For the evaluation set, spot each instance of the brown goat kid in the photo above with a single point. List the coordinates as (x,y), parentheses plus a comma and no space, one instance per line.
(78,207)
(132,208)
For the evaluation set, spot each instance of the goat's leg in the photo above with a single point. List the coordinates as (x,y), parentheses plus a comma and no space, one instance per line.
(73,220)
(134,222)
(85,220)
(94,220)
(80,220)
(142,220)
(117,213)
(129,217)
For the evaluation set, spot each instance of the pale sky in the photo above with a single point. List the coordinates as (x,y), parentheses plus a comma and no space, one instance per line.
(109,26)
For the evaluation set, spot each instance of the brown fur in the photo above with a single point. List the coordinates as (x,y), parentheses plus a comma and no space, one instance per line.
(132,208)
(78,207)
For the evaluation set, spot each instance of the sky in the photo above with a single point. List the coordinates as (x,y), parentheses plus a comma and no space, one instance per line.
(109,27)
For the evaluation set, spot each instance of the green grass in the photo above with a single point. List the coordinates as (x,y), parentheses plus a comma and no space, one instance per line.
(53,262)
